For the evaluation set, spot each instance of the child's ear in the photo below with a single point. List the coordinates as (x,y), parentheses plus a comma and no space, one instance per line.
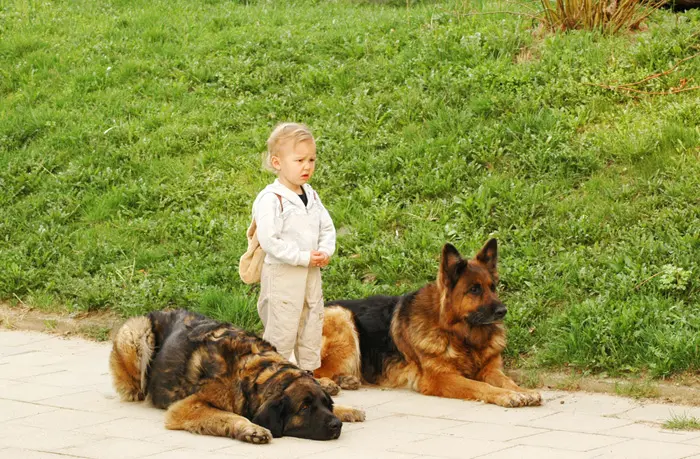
(275,161)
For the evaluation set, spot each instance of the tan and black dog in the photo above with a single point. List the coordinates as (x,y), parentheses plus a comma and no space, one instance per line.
(445,339)
(216,379)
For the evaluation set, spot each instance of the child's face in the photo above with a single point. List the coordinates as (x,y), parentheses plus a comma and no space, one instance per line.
(295,164)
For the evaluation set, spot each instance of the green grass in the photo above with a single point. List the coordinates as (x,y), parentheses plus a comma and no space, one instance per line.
(50,324)
(682,422)
(638,390)
(131,132)
(95,332)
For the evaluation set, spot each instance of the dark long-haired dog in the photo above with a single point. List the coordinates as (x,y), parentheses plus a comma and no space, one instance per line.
(216,379)
(445,339)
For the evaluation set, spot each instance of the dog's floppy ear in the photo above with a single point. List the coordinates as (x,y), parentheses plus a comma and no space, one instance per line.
(273,414)
(205,331)
(489,256)
(451,266)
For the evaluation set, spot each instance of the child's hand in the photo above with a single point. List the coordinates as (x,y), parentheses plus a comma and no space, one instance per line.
(319,259)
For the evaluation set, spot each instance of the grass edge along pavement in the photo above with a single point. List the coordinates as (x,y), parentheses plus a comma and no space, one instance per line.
(100,326)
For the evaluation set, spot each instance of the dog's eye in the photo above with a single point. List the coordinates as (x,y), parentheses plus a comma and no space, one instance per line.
(476,289)
(493,287)
(305,405)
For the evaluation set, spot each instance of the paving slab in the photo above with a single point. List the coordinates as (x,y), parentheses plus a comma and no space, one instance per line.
(450,447)
(536,452)
(47,440)
(116,448)
(655,432)
(19,453)
(56,401)
(593,404)
(569,441)
(643,449)
(12,409)
(491,432)
(575,422)
(188,441)
(659,412)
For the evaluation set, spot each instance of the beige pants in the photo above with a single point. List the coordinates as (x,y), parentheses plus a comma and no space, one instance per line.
(291,309)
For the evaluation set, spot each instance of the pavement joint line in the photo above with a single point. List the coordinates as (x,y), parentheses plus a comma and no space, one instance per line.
(39,401)
(36,402)
(173,450)
(76,429)
(500,450)
(581,433)
(57,453)
(420,416)
(626,440)
(509,440)
(62,395)
(24,417)
(34,376)
(514,424)
(548,429)
(18,353)
(622,441)
(55,409)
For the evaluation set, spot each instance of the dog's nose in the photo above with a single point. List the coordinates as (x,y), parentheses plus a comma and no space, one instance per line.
(500,312)
(334,425)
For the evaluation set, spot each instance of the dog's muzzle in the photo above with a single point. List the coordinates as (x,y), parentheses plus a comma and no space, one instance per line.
(487,314)
(500,312)
(334,427)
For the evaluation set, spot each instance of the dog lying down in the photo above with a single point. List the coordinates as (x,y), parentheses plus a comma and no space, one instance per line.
(216,379)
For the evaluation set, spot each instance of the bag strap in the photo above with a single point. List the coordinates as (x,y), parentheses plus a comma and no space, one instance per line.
(279,196)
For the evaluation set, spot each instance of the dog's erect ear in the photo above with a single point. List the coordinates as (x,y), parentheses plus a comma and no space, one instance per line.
(451,266)
(273,414)
(489,256)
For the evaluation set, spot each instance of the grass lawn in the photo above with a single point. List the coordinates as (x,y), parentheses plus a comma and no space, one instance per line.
(131,133)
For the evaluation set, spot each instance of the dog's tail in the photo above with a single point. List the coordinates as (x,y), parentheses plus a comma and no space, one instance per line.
(132,352)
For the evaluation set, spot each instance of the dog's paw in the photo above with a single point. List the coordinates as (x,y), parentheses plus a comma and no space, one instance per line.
(348,382)
(253,433)
(329,386)
(132,396)
(534,398)
(348,414)
(512,399)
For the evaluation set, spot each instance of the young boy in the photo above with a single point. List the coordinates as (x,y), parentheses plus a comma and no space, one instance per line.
(297,234)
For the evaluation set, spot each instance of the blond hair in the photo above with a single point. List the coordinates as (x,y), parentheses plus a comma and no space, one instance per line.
(283,132)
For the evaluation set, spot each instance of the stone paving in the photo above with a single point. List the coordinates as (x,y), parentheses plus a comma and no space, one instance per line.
(56,401)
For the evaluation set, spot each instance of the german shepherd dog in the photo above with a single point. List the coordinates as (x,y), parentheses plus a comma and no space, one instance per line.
(445,339)
(216,379)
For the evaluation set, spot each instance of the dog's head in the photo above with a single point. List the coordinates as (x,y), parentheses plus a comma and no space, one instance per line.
(468,288)
(302,410)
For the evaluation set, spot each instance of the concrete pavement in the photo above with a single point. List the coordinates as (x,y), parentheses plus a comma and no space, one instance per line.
(56,401)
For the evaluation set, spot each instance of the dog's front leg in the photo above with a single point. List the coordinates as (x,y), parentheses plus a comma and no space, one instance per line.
(457,386)
(492,374)
(348,414)
(196,415)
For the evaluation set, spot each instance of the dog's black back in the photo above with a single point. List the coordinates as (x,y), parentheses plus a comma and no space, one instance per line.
(373,317)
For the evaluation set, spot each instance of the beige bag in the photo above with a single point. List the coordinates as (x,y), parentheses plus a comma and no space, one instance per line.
(250,265)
